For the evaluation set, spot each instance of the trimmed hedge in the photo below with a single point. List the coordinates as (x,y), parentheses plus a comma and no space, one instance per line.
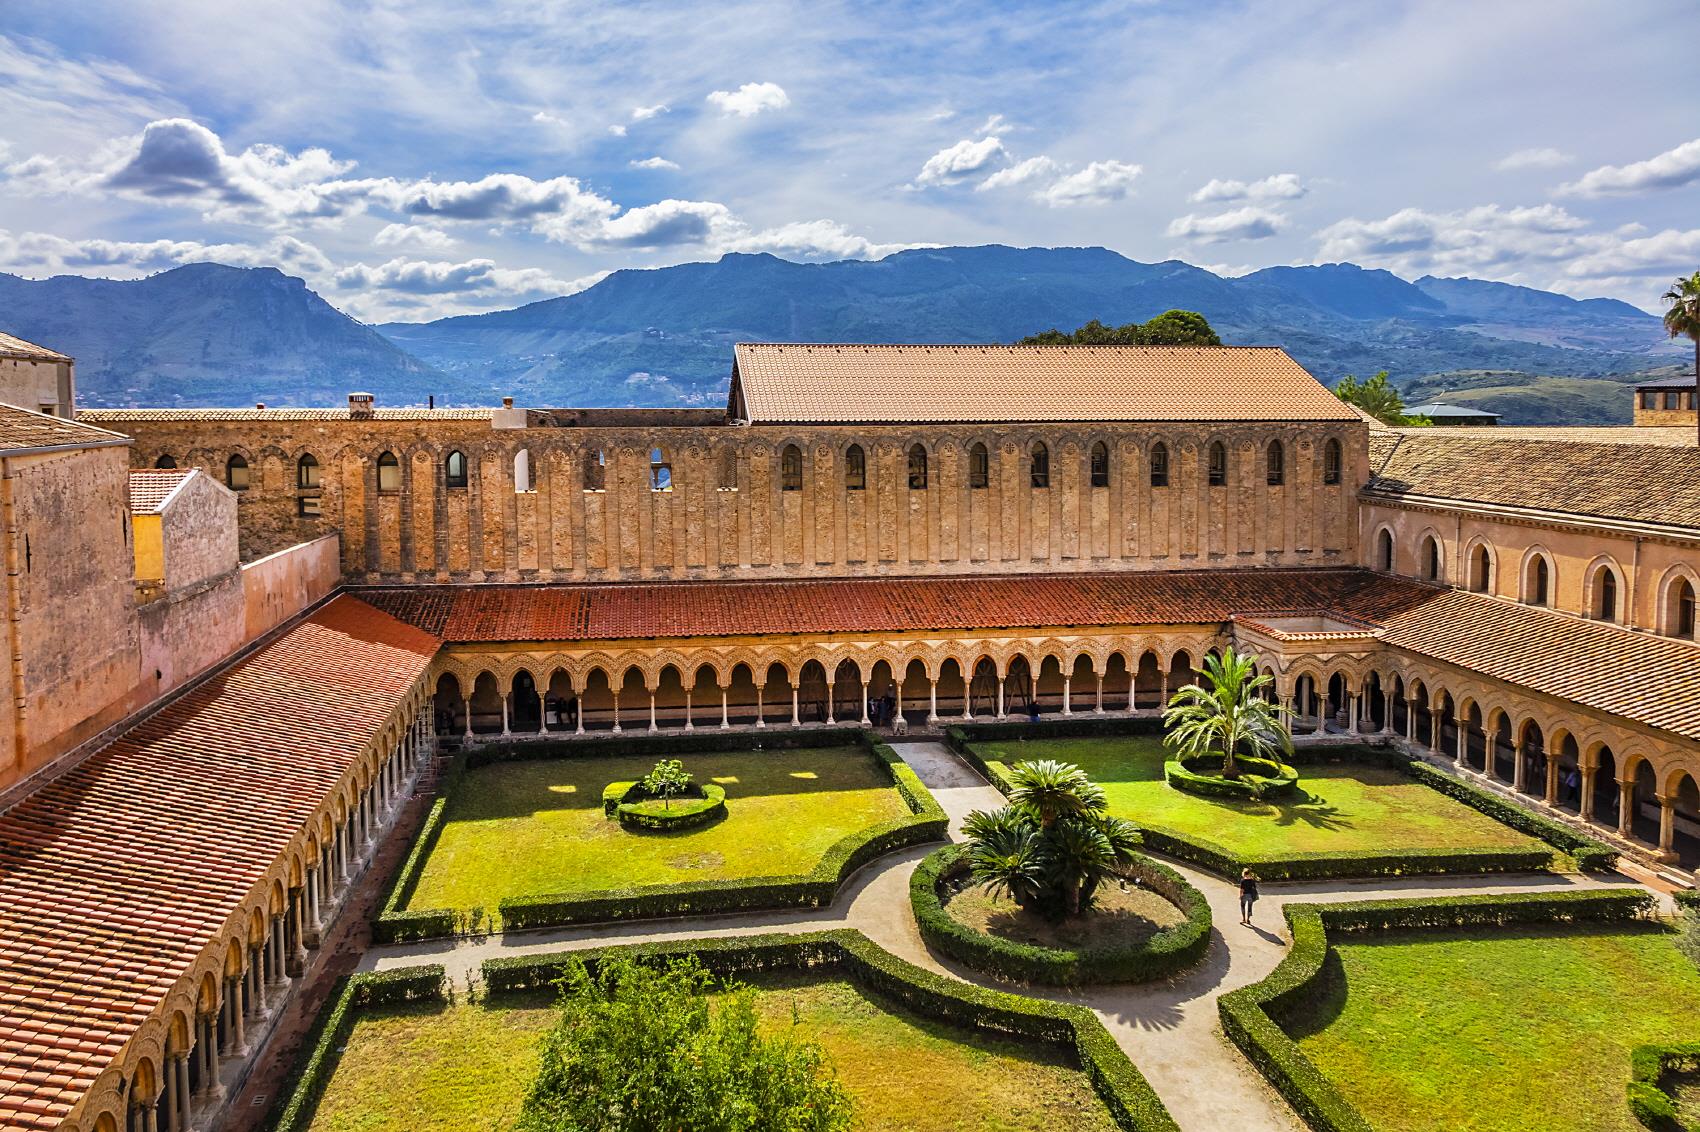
(1648,1101)
(687,813)
(850,955)
(1169,951)
(926,822)
(700,741)
(1263,778)
(395,924)
(1245,1012)
(1688,900)
(322,1050)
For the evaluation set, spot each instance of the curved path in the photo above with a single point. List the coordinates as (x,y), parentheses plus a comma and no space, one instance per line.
(1168,1029)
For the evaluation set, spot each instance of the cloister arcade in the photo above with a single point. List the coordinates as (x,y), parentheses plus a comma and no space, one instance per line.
(188,1058)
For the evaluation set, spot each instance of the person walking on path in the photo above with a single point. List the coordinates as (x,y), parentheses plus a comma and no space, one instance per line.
(1248,895)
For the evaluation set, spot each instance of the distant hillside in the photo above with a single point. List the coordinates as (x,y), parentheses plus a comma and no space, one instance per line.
(207,335)
(1531,399)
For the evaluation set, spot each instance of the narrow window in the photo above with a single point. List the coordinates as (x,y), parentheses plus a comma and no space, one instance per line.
(1100,464)
(660,471)
(1670,399)
(1536,591)
(1331,462)
(917,468)
(522,471)
(309,507)
(1384,549)
(1160,465)
(1605,602)
(791,469)
(1276,465)
(1481,570)
(1218,465)
(595,469)
(236,474)
(1646,398)
(1431,559)
(454,469)
(855,468)
(729,469)
(1041,465)
(389,472)
(307,473)
(1684,608)
(165,462)
(979,467)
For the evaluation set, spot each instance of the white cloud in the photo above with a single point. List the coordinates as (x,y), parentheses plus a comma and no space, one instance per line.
(1039,168)
(543,117)
(814,240)
(667,223)
(1543,158)
(655,163)
(996,124)
(1099,183)
(750,99)
(617,130)
(640,113)
(1278,186)
(1248,223)
(424,277)
(1669,170)
(961,161)
(40,252)
(1669,252)
(417,235)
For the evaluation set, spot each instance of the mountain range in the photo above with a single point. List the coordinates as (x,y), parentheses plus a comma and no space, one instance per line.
(207,334)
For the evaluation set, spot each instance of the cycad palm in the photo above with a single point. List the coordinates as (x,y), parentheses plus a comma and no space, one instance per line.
(1050,790)
(1228,714)
(1683,320)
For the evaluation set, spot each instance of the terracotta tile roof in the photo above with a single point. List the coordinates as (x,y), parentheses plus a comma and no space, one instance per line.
(22,429)
(13,347)
(151,487)
(1661,436)
(851,383)
(116,875)
(643,611)
(1653,680)
(1648,483)
(119,416)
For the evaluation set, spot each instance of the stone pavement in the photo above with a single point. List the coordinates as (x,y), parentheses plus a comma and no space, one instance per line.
(1168,1029)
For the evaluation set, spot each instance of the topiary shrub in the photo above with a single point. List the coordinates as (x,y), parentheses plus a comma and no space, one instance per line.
(1648,1101)
(1258,779)
(635,810)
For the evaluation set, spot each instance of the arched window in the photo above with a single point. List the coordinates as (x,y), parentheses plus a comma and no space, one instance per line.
(1039,471)
(979,467)
(454,469)
(1218,465)
(1276,464)
(1682,617)
(1160,465)
(595,469)
(728,469)
(660,471)
(1481,570)
(1605,594)
(522,471)
(389,472)
(1100,464)
(1431,558)
(236,474)
(1384,549)
(855,468)
(307,471)
(1537,581)
(1331,462)
(917,468)
(165,462)
(791,468)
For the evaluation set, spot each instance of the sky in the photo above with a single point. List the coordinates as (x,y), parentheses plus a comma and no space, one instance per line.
(418,159)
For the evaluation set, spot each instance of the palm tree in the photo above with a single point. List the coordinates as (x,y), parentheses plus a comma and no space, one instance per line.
(1227,715)
(1049,790)
(1683,319)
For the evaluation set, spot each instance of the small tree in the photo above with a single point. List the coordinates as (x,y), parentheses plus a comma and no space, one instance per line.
(1683,319)
(1171,328)
(666,781)
(639,1048)
(1377,397)
(1052,845)
(1226,712)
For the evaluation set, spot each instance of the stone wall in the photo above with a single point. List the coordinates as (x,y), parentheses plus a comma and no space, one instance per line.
(592,512)
(39,386)
(198,533)
(278,586)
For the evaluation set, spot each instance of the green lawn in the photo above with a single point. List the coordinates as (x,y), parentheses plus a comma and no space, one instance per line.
(536,827)
(1341,808)
(1508,1030)
(466,1068)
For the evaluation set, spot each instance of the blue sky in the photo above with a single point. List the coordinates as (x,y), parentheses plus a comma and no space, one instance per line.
(418,159)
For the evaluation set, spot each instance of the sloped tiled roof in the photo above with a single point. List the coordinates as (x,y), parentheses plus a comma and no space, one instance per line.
(22,429)
(1649,483)
(853,383)
(628,611)
(151,487)
(119,416)
(14,347)
(116,875)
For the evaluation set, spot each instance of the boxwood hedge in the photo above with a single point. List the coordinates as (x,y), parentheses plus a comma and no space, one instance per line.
(323,1047)
(685,812)
(394,924)
(1166,953)
(1259,778)
(1688,900)
(1648,1100)
(1245,1012)
(848,954)
(1590,855)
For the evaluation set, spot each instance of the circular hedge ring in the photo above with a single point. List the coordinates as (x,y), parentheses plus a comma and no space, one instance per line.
(635,808)
(1167,952)
(1259,778)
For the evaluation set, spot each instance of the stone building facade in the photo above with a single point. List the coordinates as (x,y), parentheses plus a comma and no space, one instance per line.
(34,377)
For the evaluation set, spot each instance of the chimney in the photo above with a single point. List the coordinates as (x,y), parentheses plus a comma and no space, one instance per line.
(431,401)
(360,406)
(507,402)
(259,404)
